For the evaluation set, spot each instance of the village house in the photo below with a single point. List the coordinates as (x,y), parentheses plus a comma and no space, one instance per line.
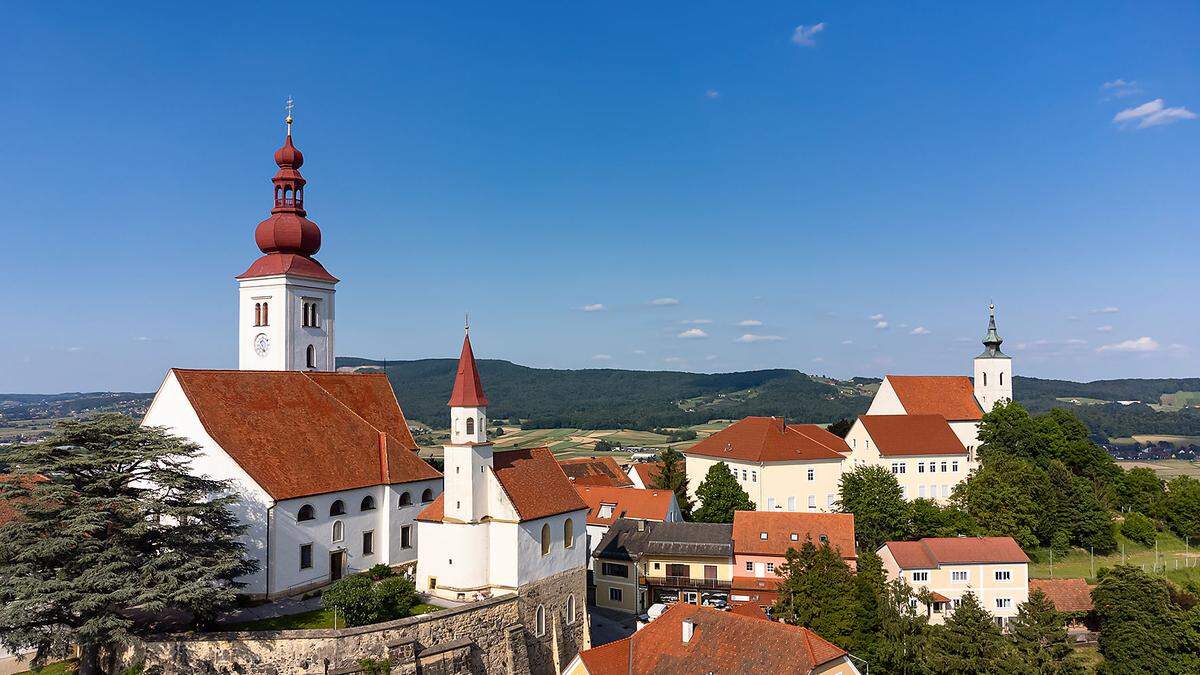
(608,504)
(644,474)
(923,453)
(638,564)
(761,540)
(595,471)
(783,467)
(690,639)
(994,569)
(1072,597)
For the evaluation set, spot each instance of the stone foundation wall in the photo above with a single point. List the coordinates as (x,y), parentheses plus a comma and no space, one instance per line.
(494,636)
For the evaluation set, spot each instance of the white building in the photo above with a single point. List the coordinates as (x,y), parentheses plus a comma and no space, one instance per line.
(994,569)
(323,464)
(506,521)
(606,504)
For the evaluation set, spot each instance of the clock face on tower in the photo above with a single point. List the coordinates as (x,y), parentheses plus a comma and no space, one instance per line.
(262,344)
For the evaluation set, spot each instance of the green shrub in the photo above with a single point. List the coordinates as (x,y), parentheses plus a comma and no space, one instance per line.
(363,601)
(1139,528)
(380,572)
(395,597)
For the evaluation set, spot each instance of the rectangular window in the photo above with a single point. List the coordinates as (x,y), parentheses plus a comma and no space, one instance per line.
(901,467)
(606,510)
(753,476)
(943,467)
(1003,603)
(770,503)
(792,503)
(920,467)
(770,567)
(1003,575)
(812,501)
(921,491)
(895,468)
(954,466)
(749,566)
(945,490)
(812,475)
(614,570)
(710,571)
(933,467)
(920,576)
(743,474)
(306,557)
(368,543)
(406,536)
(958,577)
(614,594)
(679,570)
(912,602)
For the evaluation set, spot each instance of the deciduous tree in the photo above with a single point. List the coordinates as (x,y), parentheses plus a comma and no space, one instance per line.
(818,592)
(673,476)
(720,496)
(874,496)
(969,642)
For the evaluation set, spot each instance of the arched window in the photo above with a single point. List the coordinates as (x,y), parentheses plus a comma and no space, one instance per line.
(266,319)
(313,320)
(339,531)
(427,496)
(405,499)
(337,508)
(258,314)
(570,613)
(470,426)
(1001,379)
(304,322)
(569,533)
(539,621)
(368,504)
(985,379)
(306,512)
(311,357)
(546,539)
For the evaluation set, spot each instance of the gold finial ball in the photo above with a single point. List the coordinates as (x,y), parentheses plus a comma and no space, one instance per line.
(991,306)
(288,119)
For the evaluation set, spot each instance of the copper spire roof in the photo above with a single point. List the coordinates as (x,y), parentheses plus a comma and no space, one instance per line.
(468,390)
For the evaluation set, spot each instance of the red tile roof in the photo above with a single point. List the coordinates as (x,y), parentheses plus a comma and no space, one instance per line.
(723,642)
(595,471)
(633,503)
(930,552)
(532,481)
(1067,595)
(781,526)
(299,433)
(951,396)
(648,472)
(749,609)
(767,583)
(273,264)
(901,435)
(468,391)
(769,439)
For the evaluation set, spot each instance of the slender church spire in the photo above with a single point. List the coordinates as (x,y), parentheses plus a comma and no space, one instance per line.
(468,390)
(991,341)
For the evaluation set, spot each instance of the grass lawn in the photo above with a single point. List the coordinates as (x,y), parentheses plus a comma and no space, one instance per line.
(317,618)
(1090,656)
(60,668)
(1174,559)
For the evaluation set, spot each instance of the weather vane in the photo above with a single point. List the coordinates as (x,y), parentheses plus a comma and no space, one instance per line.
(289,106)
(467,321)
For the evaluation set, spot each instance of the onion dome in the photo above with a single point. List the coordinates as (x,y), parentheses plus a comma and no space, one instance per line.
(288,230)
(991,341)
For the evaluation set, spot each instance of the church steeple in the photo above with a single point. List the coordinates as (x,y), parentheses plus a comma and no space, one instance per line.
(468,390)
(993,368)
(468,455)
(991,341)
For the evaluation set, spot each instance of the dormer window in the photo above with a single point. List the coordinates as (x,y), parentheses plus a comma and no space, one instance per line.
(606,510)
(762,535)
(795,537)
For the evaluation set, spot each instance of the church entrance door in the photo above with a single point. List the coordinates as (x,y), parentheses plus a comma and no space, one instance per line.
(337,561)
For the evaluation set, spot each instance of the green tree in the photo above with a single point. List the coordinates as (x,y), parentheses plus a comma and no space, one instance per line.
(1139,625)
(870,582)
(108,518)
(1039,636)
(1139,528)
(874,496)
(903,632)
(602,446)
(1139,489)
(841,427)
(927,518)
(1181,506)
(673,476)
(1007,496)
(818,592)
(720,496)
(969,642)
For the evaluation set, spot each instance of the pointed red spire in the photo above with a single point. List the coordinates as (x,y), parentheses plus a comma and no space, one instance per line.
(468,391)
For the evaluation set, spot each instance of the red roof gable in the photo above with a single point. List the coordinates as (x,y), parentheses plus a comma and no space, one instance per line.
(769,439)
(782,526)
(633,503)
(299,433)
(273,264)
(930,552)
(722,642)
(1067,595)
(648,472)
(468,391)
(901,435)
(595,471)
(951,396)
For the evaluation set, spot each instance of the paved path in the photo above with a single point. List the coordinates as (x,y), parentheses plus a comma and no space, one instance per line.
(610,625)
(270,610)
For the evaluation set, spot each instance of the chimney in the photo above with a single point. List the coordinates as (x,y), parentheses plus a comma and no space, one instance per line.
(689,627)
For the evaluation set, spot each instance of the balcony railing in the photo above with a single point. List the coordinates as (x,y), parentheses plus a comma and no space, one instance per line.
(685,582)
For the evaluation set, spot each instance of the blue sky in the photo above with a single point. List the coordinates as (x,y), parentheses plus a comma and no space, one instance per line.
(859,179)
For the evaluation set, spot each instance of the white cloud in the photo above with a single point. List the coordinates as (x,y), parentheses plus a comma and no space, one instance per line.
(673,359)
(694,322)
(664,301)
(805,35)
(847,342)
(597,307)
(753,337)
(1104,329)
(1119,88)
(748,323)
(1073,317)
(881,324)
(692,334)
(602,357)
(74,349)
(919,330)
(1153,114)
(876,317)
(1106,310)
(711,357)
(1142,344)
(818,359)
(712,93)
(639,352)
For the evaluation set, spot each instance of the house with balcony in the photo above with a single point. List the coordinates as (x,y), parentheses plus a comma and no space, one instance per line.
(761,540)
(994,569)
(607,504)
(640,563)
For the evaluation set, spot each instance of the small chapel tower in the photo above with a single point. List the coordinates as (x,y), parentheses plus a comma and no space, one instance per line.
(468,456)
(285,304)
(993,368)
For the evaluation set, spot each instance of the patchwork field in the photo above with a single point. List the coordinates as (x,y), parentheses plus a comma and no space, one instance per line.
(568,443)
(1167,468)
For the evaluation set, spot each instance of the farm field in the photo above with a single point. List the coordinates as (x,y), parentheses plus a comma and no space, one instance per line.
(568,443)
(1175,559)
(1166,468)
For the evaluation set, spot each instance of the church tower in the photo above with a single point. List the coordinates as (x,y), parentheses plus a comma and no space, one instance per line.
(468,456)
(285,299)
(993,368)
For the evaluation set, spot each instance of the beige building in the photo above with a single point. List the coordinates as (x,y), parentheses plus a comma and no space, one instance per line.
(783,467)
(922,451)
(994,569)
